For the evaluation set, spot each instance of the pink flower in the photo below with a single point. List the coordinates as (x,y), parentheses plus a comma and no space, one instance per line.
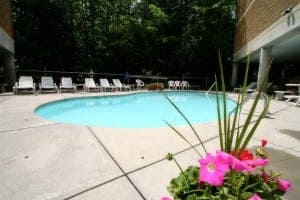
(234,162)
(225,157)
(284,185)
(257,162)
(255,197)
(238,165)
(165,198)
(212,170)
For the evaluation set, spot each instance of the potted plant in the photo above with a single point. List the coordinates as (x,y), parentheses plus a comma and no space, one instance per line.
(233,171)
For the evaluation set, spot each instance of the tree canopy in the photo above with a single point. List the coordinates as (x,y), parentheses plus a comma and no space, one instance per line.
(163,36)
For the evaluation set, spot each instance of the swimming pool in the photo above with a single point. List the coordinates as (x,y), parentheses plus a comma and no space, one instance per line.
(138,110)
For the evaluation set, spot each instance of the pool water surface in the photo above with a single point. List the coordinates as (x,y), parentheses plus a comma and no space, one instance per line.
(138,110)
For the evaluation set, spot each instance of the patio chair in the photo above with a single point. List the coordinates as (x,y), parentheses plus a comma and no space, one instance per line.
(185,85)
(139,84)
(67,84)
(177,85)
(47,84)
(250,88)
(119,85)
(89,84)
(104,84)
(171,84)
(25,84)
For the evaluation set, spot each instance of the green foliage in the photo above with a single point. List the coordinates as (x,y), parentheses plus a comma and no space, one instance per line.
(185,182)
(172,37)
(158,13)
(237,186)
(229,128)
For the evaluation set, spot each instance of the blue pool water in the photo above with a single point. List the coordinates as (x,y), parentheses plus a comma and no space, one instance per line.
(140,110)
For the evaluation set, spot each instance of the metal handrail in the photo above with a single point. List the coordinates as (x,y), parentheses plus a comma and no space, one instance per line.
(211,87)
(264,96)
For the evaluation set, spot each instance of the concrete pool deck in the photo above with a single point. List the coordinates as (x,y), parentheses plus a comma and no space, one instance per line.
(40,159)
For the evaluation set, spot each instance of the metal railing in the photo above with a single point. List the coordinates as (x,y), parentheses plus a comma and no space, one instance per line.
(199,82)
(211,87)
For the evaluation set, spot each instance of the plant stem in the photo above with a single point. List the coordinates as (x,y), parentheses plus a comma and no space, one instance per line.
(181,170)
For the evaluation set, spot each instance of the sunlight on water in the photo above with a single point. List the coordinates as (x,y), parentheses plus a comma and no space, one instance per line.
(140,110)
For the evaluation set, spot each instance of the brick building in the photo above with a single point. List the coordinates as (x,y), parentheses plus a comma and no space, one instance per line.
(7,50)
(267,30)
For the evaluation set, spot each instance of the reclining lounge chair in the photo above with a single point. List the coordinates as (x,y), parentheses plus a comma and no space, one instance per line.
(90,85)
(47,84)
(293,97)
(25,84)
(119,85)
(104,84)
(67,84)
(250,88)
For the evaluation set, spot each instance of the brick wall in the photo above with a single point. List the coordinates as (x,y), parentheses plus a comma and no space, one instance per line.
(6,17)
(254,16)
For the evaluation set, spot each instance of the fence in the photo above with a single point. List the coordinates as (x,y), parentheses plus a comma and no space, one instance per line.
(203,82)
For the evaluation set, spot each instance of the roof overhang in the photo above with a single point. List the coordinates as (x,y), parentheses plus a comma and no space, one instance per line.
(283,36)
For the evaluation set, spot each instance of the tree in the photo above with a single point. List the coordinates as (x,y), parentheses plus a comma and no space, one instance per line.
(167,36)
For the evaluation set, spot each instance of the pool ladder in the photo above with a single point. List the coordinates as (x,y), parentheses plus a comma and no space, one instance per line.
(211,87)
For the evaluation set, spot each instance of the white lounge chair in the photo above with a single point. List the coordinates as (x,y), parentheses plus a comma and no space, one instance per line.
(139,84)
(171,84)
(280,93)
(119,85)
(104,84)
(177,85)
(250,88)
(89,84)
(25,84)
(47,84)
(67,84)
(185,85)
(293,97)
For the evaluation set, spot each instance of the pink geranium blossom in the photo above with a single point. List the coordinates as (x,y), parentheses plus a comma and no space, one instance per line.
(284,185)
(165,198)
(255,197)
(260,162)
(225,157)
(239,165)
(212,170)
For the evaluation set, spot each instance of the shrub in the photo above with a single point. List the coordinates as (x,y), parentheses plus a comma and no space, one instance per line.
(155,86)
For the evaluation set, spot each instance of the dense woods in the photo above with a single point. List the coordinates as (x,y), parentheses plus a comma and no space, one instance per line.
(169,37)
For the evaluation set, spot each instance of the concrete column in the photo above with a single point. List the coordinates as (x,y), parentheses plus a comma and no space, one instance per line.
(234,75)
(264,67)
(9,69)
